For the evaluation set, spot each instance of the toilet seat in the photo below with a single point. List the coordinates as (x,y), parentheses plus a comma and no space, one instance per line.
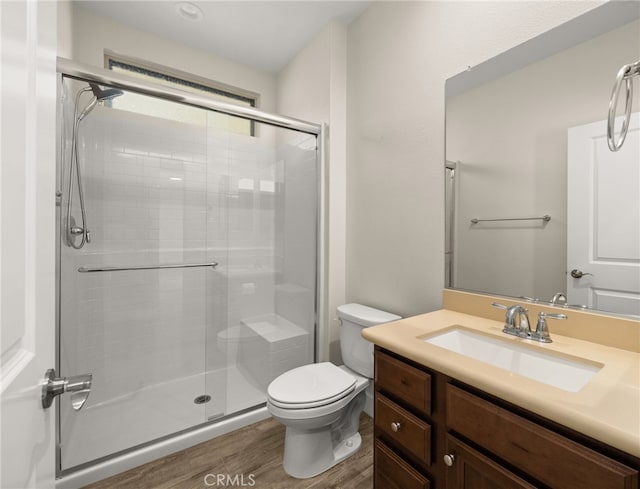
(310,386)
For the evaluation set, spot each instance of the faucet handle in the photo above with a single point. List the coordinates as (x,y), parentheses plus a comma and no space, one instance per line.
(542,330)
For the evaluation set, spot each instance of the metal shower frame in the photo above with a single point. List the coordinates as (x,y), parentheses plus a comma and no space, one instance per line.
(91,74)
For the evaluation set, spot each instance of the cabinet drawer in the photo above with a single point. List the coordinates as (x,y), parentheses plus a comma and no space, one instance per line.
(403,381)
(472,469)
(406,430)
(550,458)
(391,472)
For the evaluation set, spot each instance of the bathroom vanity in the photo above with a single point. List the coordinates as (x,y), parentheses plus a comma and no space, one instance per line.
(446,421)
(432,431)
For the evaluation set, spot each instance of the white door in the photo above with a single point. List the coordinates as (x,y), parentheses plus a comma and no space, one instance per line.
(603,219)
(27,240)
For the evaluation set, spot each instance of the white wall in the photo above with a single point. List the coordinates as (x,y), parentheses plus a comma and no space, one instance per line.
(510,138)
(93,34)
(400,54)
(64,28)
(313,87)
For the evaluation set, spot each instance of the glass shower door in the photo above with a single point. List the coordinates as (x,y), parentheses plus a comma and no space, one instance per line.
(197,286)
(134,300)
(270,274)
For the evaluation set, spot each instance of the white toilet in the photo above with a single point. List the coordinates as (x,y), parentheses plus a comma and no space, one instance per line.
(320,404)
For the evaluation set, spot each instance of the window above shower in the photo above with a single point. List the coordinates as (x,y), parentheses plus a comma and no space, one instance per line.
(187,82)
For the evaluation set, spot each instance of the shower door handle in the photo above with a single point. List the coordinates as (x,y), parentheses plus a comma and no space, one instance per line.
(78,385)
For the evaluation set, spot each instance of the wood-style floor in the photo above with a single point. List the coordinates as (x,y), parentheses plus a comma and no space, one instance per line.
(255,452)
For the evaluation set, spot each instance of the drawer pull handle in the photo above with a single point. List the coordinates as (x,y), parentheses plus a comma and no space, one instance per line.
(449,459)
(395,427)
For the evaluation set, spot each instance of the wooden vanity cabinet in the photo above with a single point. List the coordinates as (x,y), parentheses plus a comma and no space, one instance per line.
(406,421)
(392,472)
(471,469)
(434,432)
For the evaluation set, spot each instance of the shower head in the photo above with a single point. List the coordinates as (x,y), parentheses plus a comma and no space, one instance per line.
(100,96)
(104,94)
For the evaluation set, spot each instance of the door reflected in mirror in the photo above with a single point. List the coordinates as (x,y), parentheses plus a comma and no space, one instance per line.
(533,191)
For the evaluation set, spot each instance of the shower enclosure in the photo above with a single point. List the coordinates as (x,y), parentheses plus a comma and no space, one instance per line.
(187,259)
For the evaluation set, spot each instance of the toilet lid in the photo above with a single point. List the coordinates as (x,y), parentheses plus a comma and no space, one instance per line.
(311,385)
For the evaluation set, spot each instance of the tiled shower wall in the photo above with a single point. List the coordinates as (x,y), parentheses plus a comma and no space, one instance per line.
(145,186)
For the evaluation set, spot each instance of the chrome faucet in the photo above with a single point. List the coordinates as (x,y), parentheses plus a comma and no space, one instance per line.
(559,299)
(517,323)
(521,327)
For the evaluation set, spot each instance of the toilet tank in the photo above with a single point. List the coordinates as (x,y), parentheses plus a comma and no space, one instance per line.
(357,353)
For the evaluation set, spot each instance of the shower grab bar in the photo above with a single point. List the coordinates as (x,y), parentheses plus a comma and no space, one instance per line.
(545,218)
(212,264)
(626,74)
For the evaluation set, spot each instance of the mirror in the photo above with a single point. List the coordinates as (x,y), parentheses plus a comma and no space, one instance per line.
(536,203)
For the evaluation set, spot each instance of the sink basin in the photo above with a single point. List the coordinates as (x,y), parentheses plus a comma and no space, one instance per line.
(566,373)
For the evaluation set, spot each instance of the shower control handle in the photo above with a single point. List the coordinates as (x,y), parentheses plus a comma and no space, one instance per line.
(78,385)
(78,231)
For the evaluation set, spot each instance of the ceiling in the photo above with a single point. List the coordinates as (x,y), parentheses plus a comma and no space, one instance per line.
(262,34)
